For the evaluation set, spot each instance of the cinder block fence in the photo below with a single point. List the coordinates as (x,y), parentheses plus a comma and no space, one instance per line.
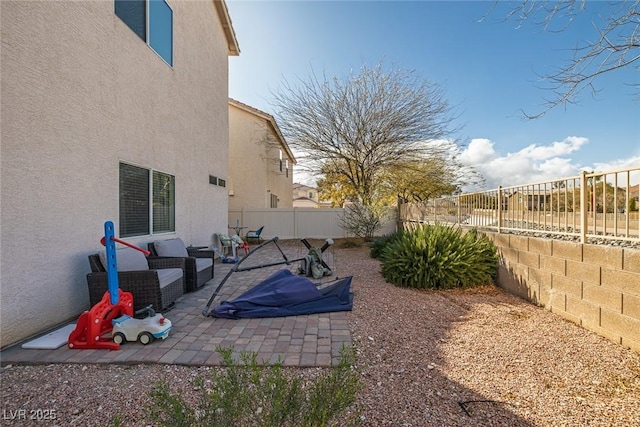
(594,286)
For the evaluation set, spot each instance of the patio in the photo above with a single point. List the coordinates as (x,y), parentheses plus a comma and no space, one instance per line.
(302,341)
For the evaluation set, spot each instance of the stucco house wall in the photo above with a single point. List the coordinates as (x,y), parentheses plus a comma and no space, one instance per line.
(280,177)
(255,144)
(81,92)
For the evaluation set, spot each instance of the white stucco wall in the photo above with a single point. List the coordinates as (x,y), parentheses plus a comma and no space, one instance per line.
(80,93)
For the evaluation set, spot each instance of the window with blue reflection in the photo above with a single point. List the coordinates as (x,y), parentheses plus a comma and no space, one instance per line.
(161,29)
(152,21)
(133,13)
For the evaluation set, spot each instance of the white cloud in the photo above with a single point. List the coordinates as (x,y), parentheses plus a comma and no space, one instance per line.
(479,150)
(557,167)
(535,163)
(531,164)
(558,148)
(614,165)
(618,164)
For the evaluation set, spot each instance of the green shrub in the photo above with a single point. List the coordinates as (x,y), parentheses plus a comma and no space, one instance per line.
(439,257)
(378,245)
(246,394)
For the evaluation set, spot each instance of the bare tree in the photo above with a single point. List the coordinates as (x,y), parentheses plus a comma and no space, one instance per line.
(615,44)
(359,126)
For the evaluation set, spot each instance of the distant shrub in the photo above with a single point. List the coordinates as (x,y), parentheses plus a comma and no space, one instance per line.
(363,220)
(439,257)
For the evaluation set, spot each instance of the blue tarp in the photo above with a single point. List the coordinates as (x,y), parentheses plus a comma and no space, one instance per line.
(284,294)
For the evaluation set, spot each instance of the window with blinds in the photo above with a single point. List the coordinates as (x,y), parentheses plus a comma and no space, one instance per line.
(147,201)
(164,203)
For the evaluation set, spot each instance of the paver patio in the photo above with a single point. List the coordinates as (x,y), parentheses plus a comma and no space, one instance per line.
(308,340)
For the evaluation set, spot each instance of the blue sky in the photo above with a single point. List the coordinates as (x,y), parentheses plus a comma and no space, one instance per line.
(489,71)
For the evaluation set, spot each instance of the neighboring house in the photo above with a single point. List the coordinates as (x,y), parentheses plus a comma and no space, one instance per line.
(305,196)
(527,200)
(110,110)
(260,161)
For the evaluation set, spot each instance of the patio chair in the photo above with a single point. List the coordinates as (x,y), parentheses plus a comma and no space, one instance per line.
(225,244)
(254,235)
(198,261)
(229,245)
(152,281)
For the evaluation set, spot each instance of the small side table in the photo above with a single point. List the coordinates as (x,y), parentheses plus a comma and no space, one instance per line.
(238,229)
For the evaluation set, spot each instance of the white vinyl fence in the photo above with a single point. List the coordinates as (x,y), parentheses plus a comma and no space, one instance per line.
(297,223)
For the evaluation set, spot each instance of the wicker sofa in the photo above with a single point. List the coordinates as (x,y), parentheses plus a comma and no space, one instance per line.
(152,280)
(198,262)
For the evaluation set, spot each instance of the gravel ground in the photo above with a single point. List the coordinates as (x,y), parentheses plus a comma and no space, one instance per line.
(449,358)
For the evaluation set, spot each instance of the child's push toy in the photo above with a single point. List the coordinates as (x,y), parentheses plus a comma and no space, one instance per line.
(145,330)
(94,327)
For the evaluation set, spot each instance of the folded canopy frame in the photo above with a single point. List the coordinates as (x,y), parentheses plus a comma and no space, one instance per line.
(239,268)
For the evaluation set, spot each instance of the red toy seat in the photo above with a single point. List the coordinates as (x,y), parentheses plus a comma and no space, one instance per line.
(95,323)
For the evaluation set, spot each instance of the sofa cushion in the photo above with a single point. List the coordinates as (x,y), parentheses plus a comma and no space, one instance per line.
(171,248)
(127,259)
(166,276)
(203,263)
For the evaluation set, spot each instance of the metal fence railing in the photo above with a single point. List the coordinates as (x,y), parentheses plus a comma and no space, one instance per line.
(600,205)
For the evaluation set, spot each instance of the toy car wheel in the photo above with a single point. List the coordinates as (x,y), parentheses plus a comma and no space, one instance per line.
(145,338)
(118,338)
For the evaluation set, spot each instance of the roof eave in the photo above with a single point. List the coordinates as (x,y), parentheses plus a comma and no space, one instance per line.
(233,49)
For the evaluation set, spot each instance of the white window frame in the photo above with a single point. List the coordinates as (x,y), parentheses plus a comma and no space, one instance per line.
(150,201)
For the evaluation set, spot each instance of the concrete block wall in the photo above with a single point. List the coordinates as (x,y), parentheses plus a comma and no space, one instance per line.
(594,286)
